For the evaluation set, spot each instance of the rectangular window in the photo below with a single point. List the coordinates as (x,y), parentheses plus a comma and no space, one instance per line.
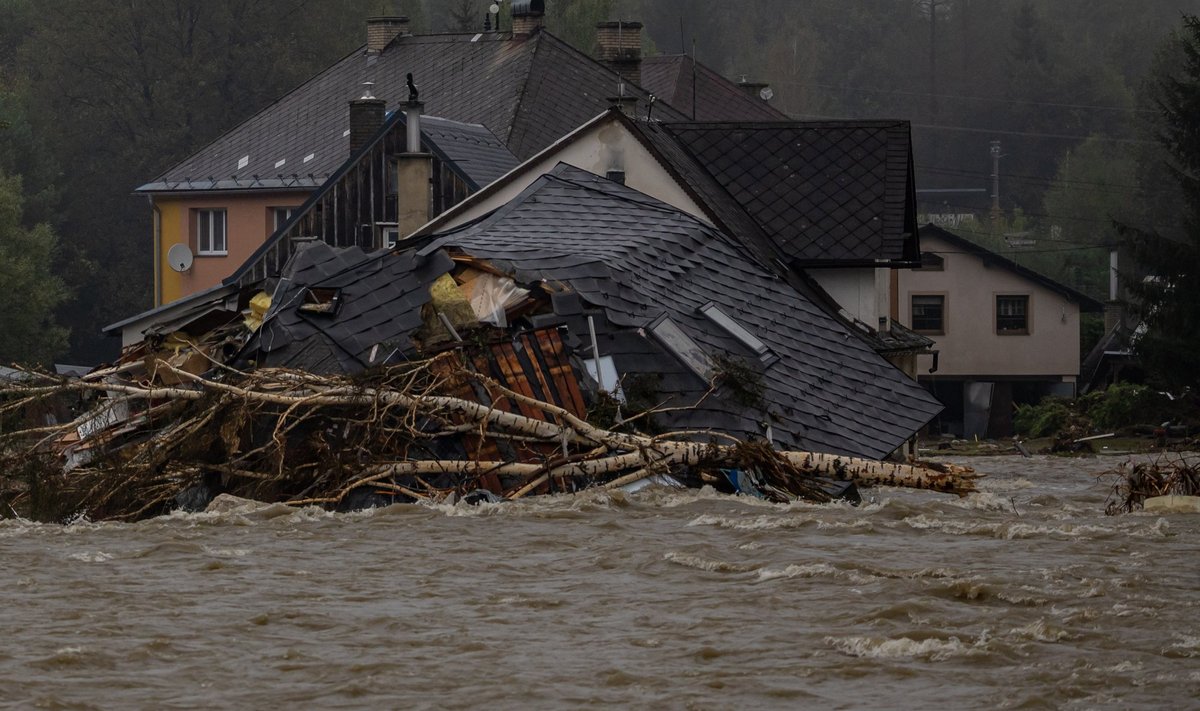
(210,233)
(735,329)
(929,313)
(281,216)
(1012,315)
(682,347)
(388,236)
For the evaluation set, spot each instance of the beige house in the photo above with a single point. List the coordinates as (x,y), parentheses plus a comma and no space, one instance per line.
(1003,334)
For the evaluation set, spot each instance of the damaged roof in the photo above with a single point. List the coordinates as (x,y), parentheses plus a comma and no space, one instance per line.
(633,264)
(527,92)
(831,193)
(375,300)
(637,261)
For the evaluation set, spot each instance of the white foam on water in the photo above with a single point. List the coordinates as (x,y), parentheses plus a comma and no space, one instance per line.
(931,649)
(227,552)
(712,566)
(983,501)
(815,570)
(754,523)
(1039,631)
(1184,646)
(1006,530)
(90,556)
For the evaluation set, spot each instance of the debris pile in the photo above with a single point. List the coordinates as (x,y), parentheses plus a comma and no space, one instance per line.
(424,430)
(1165,476)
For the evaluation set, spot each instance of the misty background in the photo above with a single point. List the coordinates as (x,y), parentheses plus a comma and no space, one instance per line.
(97,98)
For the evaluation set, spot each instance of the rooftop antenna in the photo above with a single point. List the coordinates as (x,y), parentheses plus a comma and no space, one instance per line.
(693,78)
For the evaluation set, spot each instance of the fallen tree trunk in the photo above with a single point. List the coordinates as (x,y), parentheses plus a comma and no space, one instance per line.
(280,435)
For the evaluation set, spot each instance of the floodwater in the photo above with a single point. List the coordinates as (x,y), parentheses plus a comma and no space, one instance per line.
(1022,596)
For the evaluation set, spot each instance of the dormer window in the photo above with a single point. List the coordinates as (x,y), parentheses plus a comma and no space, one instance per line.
(735,329)
(682,347)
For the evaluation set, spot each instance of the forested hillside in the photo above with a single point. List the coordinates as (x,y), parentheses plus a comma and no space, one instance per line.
(97,98)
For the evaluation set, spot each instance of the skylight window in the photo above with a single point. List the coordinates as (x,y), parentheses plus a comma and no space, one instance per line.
(735,329)
(682,347)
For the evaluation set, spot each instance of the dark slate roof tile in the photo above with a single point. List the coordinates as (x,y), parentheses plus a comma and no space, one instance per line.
(828,390)
(527,93)
(669,77)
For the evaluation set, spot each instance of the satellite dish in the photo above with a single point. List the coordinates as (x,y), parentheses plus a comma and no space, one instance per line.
(766,94)
(179,256)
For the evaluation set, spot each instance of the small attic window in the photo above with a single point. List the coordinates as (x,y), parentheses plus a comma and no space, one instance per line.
(735,329)
(322,301)
(682,347)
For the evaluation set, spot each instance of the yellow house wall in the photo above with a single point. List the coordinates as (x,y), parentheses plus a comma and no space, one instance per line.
(249,221)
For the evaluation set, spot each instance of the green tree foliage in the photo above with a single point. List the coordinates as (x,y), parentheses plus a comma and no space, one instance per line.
(99,98)
(1167,297)
(117,92)
(28,331)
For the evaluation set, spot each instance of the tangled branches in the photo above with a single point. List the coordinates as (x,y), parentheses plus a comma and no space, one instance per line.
(1163,477)
(419,431)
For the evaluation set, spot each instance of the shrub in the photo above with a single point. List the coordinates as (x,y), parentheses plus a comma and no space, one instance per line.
(1043,419)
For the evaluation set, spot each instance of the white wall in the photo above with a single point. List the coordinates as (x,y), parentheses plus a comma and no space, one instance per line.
(599,149)
(971,346)
(856,290)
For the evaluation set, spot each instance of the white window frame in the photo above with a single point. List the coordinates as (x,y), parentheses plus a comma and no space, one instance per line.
(726,322)
(206,244)
(287,211)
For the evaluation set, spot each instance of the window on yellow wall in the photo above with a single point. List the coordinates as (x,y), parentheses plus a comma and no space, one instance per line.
(211,235)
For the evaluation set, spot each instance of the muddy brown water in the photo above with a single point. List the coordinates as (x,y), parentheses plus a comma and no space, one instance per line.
(1022,596)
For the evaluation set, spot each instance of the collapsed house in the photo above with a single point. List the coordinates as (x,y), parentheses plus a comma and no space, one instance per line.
(679,313)
(584,334)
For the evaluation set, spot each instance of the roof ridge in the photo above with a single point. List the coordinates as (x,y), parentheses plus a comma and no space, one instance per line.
(1015,266)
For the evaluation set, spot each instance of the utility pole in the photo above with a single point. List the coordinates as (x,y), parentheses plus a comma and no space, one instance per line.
(996,184)
(933,100)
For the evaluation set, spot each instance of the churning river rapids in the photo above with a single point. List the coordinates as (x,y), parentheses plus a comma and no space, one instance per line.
(1022,596)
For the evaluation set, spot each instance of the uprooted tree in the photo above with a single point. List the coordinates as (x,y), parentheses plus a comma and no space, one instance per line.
(409,433)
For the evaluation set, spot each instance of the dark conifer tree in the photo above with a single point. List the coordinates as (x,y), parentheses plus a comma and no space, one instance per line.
(1168,298)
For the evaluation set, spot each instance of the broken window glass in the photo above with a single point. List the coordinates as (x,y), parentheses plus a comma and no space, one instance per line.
(324,301)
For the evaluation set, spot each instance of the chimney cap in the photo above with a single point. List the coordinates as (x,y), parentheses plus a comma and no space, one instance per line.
(522,8)
(622,24)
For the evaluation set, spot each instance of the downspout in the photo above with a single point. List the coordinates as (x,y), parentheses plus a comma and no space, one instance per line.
(156,229)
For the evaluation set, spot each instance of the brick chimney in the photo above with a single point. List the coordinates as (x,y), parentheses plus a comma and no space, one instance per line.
(382,30)
(620,48)
(528,16)
(366,116)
